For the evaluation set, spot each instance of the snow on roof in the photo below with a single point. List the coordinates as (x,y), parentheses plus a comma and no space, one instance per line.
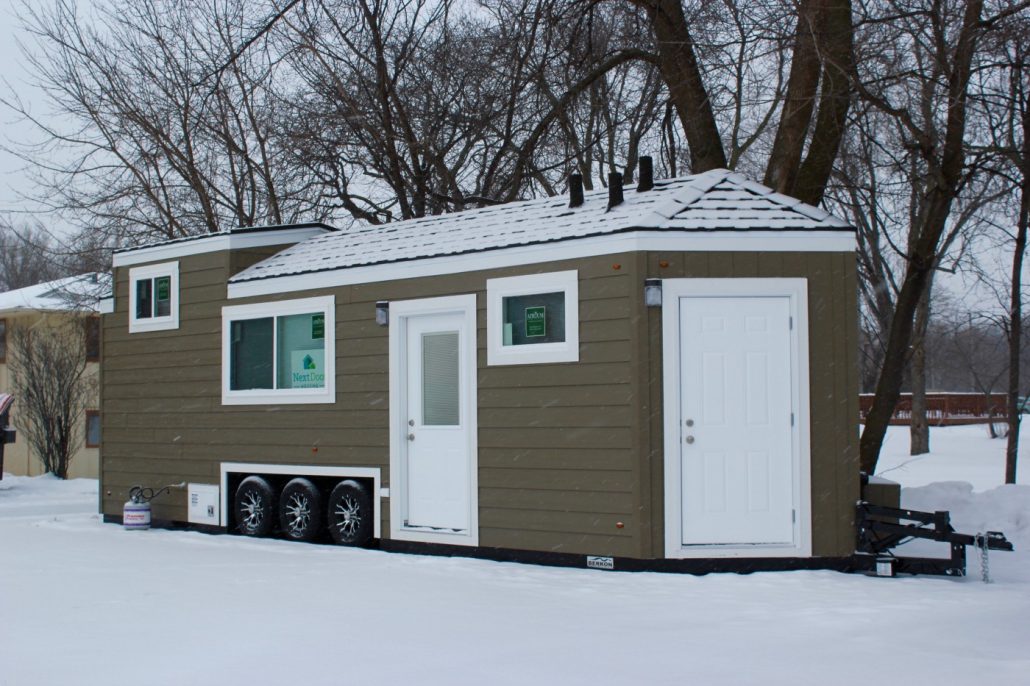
(81,292)
(717,200)
(228,232)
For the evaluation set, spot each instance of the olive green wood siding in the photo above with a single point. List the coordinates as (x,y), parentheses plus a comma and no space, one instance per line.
(567,452)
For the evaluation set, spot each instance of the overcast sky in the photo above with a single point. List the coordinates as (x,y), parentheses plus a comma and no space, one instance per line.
(12,176)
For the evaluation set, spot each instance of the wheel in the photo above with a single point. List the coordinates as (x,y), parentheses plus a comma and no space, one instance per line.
(254,506)
(300,510)
(350,514)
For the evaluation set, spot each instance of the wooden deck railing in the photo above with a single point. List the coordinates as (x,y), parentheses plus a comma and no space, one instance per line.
(945,409)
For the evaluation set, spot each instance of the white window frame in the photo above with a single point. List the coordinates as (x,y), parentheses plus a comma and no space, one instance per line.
(532,284)
(230,313)
(154,271)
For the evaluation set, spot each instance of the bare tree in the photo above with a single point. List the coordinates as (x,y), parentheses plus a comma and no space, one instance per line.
(150,136)
(922,69)
(25,256)
(48,368)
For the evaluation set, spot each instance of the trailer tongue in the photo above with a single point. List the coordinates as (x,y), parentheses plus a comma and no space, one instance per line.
(881,528)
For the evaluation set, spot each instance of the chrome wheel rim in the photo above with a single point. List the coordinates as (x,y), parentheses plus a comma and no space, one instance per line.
(348,516)
(252,510)
(298,513)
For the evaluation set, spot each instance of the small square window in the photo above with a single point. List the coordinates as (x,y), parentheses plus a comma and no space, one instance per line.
(154,297)
(279,352)
(533,319)
(92,429)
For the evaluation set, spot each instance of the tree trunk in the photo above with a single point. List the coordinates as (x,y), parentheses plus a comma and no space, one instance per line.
(1016,310)
(679,67)
(946,173)
(799,102)
(919,429)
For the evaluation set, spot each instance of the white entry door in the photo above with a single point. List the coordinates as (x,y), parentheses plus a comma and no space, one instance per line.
(737,466)
(433,421)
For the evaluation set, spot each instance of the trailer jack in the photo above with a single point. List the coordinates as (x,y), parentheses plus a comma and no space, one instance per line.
(880,529)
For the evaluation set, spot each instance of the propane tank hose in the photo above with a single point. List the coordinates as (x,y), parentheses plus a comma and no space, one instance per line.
(141,494)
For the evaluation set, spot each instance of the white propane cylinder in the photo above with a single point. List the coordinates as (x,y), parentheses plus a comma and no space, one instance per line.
(136,516)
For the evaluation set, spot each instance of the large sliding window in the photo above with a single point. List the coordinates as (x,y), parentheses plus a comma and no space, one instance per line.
(280,352)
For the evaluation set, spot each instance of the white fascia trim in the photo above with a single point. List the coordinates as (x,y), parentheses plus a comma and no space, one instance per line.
(373,473)
(670,240)
(291,396)
(154,271)
(238,241)
(531,284)
(399,313)
(797,290)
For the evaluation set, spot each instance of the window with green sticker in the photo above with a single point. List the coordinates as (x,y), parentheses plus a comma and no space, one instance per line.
(153,297)
(533,319)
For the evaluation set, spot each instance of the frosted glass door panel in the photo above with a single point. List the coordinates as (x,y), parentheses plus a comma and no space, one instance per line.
(440,399)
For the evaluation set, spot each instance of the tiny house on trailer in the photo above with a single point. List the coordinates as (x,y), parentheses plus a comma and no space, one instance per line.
(664,380)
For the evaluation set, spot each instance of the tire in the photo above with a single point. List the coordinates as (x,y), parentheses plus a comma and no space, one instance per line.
(350,514)
(254,507)
(300,510)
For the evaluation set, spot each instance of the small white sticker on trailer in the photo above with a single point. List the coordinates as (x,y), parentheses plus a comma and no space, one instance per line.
(203,504)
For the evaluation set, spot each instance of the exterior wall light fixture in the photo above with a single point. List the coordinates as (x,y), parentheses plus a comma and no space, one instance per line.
(382,312)
(653,292)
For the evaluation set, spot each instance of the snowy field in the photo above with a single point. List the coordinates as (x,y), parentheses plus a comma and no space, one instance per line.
(82,602)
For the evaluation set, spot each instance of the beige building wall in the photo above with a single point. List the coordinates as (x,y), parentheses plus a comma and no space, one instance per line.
(19,459)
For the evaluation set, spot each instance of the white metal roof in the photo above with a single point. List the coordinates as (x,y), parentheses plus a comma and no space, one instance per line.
(82,292)
(714,201)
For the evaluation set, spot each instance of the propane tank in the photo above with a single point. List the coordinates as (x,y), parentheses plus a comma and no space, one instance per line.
(136,513)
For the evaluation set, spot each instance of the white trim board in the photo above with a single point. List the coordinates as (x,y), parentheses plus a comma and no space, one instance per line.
(247,468)
(399,312)
(696,241)
(215,243)
(797,291)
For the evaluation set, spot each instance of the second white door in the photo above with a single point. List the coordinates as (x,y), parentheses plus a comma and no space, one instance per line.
(736,451)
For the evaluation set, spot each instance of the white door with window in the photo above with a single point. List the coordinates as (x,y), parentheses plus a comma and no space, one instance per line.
(734,418)
(432,367)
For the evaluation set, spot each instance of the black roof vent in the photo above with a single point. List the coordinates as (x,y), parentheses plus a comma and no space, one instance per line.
(614,189)
(646,165)
(575,190)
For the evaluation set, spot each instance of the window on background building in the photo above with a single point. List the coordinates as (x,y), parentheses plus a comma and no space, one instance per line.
(154,297)
(278,352)
(3,340)
(92,429)
(91,326)
(533,319)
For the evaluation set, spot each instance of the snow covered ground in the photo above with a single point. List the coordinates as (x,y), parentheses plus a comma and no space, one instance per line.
(86,603)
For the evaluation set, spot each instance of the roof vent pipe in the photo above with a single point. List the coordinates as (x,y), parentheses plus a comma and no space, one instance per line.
(614,189)
(646,165)
(575,190)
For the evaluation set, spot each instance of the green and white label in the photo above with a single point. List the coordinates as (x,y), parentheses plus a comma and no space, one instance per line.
(307,368)
(536,321)
(164,287)
(317,326)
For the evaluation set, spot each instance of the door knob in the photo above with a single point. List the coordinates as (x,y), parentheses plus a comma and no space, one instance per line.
(690,439)
(411,437)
